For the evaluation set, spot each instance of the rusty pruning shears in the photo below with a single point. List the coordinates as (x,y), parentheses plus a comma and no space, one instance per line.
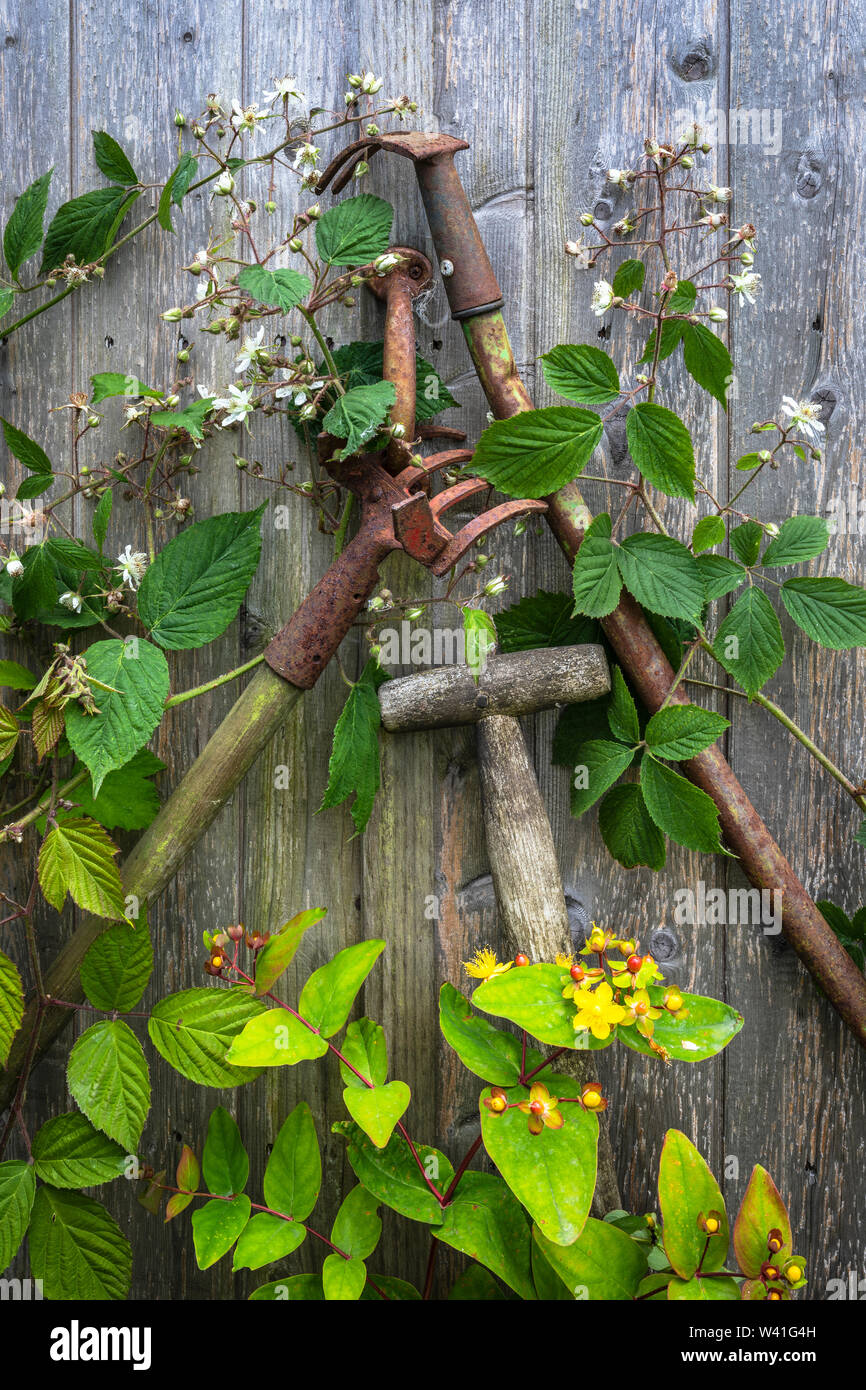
(397,510)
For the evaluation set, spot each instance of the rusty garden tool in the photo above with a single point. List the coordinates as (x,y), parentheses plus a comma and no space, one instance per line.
(396,513)
(475,299)
(520,848)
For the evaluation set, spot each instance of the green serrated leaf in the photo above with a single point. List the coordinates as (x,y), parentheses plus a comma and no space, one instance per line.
(355,231)
(622,711)
(191,419)
(800,538)
(581,373)
(749,641)
(709,531)
(17,1190)
(708,361)
(77,1249)
(77,857)
(542,620)
(597,581)
(720,575)
(111,160)
(538,451)
(285,288)
(359,414)
(69,1152)
(681,810)
(117,967)
(108,1079)
(628,830)
(26,450)
(680,731)
(746,541)
(830,611)
(11,1008)
(353,768)
(136,673)
(127,799)
(85,226)
(196,584)
(662,574)
(23,235)
(105,386)
(661,447)
(194,1029)
(629,278)
(599,764)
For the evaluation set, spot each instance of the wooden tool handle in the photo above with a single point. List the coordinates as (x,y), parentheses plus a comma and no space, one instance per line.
(528,886)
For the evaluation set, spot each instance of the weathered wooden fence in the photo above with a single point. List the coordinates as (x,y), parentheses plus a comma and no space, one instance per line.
(550,93)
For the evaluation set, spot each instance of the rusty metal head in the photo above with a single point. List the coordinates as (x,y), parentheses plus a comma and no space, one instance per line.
(413,275)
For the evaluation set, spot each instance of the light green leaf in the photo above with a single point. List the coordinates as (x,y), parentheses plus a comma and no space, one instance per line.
(708,361)
(749,640)
(285,288)
(687,1191)
(481,639)
(681,810)
(484,1050)
(215,1228)
(701,1029)
(800,538)
(127,798)
(86,226)
(278,952)
(11,1008)
(117,967)
(357,1227)
(17,1190)
(709,531)
(830,611)
(680,731)
(266,1239)
(599,764)
(193,1030)
(538,451)
(602,1265)
(108,1079)
(359,414)
(699,1290)
(762,1211)
(191,419)
(661,447)
(378,1109)
(330,991)
(225,1163)
(581,373)
(294,1172)
(275,1039)
(628,830)
(195,586)
(485,1221)
(343,1280)
(662,574)
(531,997)
(749,461)
(364,1046)
(69,1152)
(392,1175)
(77,857)
(622,711)
(106,385)
(137,673)
(355,231)
(16,677)
(552,1173)
(77,1249)
(23,235)
(111,160)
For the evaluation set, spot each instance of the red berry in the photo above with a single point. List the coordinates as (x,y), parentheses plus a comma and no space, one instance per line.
(536,1107)
(577,973)
(521,959)
(634,964)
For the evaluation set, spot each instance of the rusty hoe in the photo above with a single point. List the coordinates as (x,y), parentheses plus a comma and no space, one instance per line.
(398,513)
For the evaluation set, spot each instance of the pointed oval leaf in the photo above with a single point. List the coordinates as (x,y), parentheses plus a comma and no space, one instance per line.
(330,991)
(77,1249)
(275,1039)
(117,967)
(129,711)
(216,1226)
(486,1221)
(357,1227)
(688,1190)
(708,1026)
(581,373)
(393,1176)
(266,1239)
(194,1029)
(225,1163)
(108,1079)
(603,1264)
(761,1211)
(294,1172)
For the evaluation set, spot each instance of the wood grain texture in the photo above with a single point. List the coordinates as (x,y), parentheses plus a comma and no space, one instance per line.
(549,93)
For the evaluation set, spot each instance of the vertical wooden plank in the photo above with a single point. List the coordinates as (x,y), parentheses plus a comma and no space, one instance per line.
(797,170)
(651,61)
(171,58)
(35,374)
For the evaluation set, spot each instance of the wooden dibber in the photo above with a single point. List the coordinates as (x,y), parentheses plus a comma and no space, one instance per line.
(520,847)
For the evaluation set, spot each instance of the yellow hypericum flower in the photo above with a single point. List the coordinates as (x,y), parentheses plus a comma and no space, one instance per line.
(597,939)
(591,1097)
(565,962)
(640,1011)
(541,1109)
(597,1011)
(485,965)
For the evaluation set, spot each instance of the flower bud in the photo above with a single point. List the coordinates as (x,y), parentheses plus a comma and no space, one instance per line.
(93,421)
(687,162)
(718,315)
(225,184)
(172,315)
(179,119)
(295,244)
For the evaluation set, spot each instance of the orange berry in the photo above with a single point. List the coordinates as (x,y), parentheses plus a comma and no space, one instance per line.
(577,973)
(634,964)
(521,959)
